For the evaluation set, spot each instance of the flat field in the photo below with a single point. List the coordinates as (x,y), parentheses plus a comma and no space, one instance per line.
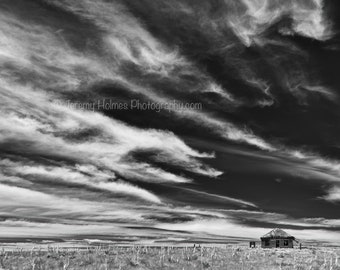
(168,257)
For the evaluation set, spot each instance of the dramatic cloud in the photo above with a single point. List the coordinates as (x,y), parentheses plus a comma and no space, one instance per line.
(258,103)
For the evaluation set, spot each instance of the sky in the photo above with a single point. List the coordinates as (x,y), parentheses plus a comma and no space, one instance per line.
(169,121)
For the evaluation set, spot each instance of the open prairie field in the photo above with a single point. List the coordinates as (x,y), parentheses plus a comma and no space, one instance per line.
(177,258)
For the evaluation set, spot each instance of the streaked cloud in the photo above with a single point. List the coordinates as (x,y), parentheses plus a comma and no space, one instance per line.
(67,171)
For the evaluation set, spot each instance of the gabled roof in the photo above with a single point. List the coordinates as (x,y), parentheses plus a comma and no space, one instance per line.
(277,234)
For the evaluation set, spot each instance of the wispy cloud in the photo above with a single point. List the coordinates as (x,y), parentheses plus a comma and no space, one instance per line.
(252,18)
(333,194)
(224,198)
(225,228)
(76,171)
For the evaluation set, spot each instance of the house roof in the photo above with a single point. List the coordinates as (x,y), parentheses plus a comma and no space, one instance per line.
(277,234)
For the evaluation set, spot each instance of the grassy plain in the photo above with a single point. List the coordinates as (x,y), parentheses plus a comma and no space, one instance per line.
(169,257)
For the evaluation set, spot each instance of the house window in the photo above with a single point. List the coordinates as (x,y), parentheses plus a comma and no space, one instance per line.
(285,242)
(266,242)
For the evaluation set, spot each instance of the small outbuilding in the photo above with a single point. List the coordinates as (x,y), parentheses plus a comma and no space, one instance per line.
(277,238)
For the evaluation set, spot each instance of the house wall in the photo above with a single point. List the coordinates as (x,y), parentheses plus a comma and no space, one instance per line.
(272,243)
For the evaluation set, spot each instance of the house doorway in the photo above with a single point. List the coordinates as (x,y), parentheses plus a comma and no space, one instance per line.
(277,243)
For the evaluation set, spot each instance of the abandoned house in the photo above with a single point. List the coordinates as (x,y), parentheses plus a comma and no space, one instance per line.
(277,238)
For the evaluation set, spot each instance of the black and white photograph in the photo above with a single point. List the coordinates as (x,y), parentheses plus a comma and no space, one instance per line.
(169,134)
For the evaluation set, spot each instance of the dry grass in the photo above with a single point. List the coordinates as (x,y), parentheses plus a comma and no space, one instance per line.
(176,258)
